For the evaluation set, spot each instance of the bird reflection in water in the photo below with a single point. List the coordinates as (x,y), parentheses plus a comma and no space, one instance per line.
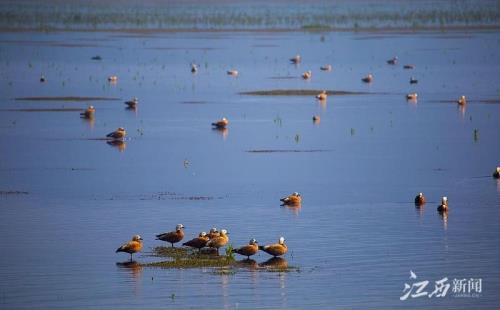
(90,121)
(461,110)
(247,263)
(295,209)
(222,131)
(134,269)
(119,144)
(275,263)
(444,218)
(419,209)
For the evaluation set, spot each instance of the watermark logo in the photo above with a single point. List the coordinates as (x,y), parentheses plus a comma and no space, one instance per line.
(461,288)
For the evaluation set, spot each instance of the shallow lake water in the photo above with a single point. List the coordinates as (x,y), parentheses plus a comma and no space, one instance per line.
(69,199)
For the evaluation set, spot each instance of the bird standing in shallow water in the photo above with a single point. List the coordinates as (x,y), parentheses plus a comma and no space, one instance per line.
(248,250)
(219,241)
(277,249)
(462,100)
(412,96)
(322,96)
(222,123)
(89,112)
(198,242)
(496,174)
(307,75)
(131,247)
(132,104)
(368,78)
(293,199)
(443,207)
(118,134)
(296,59)
(419,199)
(173,236)
(393,60)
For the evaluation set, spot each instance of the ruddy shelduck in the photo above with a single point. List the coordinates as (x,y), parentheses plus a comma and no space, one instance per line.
(411,96)
(198,242)
(413,80)
(222,123)
(420,199)
(393,60)
(296,59)
(293,199)
(326,68)
(409,67)
(307,75)
(89,112)
(131,247)
(462,100)
(443,207)
(233,72)
(248,250)
(119,133)
(322,96)
(172,236)
(496,174)
(213,233)
(132,103)
(194,68)
(368,78)
(112,78)
(42,78)
(218,242)
(277,249)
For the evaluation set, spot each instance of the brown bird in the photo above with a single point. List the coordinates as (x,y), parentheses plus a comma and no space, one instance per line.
(198,242)
(412,96)
(293,199)
(322,96)
(326,68)
(462,100)
(408,67)
(113,78)
(119,133)
(316,119)
(222,123)
(194,68)
(296,59)
(248,250)
(172,236)
(219,241)
(276,249)
(419,199)
(368,78)
(443,207)
(131,247)
(496,174)
(213,233)
(233,72)
(132,104)
(89,112)
(307,75)
(42,79)
(393,60)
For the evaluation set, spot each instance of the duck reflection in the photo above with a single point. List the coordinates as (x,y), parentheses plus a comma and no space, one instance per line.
(275,263)
(119,144)
(247,263)
(444,218)
(133,267)
(224,132)
(90,121)
(295,209)
(461,110)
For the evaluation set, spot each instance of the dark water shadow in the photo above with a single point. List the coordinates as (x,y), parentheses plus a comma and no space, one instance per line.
(118,144)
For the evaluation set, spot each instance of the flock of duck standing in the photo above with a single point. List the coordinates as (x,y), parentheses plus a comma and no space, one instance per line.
(215,239)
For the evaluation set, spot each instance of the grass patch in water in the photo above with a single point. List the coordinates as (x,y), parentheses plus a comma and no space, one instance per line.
(299,92)
(181,258)
(66,98)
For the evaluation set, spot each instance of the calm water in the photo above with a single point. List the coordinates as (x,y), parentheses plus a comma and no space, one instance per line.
(357,235)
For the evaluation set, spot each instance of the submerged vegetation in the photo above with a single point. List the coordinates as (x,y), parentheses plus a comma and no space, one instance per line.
(183,258)
(309,16)
(299,92)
